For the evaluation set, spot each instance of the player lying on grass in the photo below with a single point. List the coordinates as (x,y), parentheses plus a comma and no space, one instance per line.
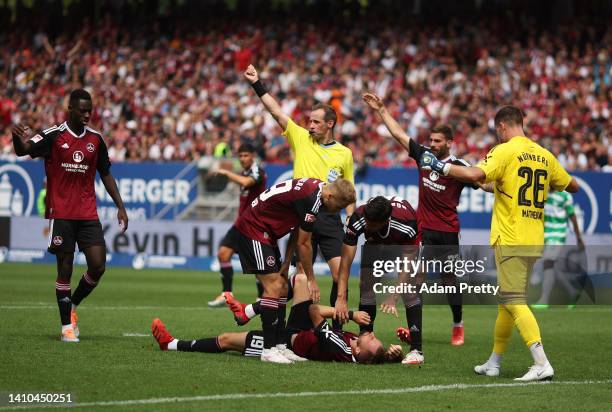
(308,334)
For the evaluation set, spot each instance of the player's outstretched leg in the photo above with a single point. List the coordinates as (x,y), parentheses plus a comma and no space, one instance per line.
(62,292)
(96,265)
(222,343)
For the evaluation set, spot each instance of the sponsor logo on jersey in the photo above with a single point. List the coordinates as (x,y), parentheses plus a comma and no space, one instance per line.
(65,146)
(332,175)
(90,147)
(57,240)
(270,260)
(77,156)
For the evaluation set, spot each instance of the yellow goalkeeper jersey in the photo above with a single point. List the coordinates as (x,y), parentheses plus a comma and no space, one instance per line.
(523,172)
(311,159)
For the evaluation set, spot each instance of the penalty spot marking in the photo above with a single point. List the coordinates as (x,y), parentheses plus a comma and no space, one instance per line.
(236,396)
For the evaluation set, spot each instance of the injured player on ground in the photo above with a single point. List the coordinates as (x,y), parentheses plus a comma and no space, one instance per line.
(309,335)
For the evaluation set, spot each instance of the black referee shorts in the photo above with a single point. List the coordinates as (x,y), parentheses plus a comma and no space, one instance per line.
(327,235)
(65,234)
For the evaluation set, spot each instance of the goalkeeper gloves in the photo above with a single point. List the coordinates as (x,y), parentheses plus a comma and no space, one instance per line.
(430,162)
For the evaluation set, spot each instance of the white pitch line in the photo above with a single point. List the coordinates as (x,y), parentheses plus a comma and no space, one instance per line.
(236,396)
(102,307)
(136,335)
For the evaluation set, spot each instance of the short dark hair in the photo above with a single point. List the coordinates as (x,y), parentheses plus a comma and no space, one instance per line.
(330,113)
(246,147)
(79,94)
(511,115)
(377,209)
(444,129)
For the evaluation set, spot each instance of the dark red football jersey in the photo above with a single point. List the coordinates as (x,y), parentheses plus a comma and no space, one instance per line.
(324,344)
(281,208)
(438,194)
(401,230)
(71,162)
(248,194)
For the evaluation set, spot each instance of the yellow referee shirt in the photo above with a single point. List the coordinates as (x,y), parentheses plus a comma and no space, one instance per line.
(523,172)
(311,159)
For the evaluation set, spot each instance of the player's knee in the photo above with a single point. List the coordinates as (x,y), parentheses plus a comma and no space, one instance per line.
(97,270)
(223,340)
(224,255)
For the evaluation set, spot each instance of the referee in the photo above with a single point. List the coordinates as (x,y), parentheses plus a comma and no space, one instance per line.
(316,155)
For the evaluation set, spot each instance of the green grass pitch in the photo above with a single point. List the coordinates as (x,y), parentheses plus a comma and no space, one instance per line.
(117,359)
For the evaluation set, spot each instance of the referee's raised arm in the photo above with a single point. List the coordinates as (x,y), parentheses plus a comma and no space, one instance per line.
(271,105)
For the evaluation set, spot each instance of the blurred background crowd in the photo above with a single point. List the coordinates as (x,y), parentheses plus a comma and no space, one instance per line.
(166,76)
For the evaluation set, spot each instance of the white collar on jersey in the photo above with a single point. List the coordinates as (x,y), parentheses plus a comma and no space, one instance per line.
(73,133)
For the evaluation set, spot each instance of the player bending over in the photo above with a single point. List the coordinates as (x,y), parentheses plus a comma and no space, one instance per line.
(309,335)
(292,205)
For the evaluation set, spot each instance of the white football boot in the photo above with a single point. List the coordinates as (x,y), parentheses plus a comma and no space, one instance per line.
(273,355)
(414,357)
(538,373)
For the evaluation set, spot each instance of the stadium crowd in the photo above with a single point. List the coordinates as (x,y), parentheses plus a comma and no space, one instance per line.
(181,96)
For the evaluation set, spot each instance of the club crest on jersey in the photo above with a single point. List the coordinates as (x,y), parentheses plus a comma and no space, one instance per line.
(90,147)
(433,176)
(57,240)
(309,217)
(270,260)
(77,156)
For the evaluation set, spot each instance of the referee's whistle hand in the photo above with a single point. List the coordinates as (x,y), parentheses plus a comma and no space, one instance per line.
(251,74)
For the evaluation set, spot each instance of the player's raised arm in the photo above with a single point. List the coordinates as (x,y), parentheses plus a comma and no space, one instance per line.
(375,103)
(269,102)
